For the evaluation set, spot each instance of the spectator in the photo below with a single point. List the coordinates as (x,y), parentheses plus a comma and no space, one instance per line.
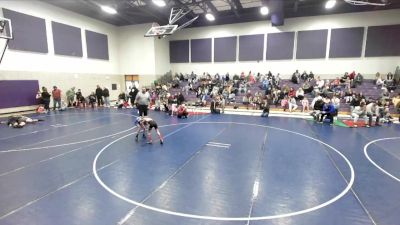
(305,105)
(285,103)
(265,107)
(359,111)
(70,96)
(396,103)
(106,94)
(379,82)
(182,111)
(134,91)
(328,110)
(45,99)
(358,79)
(99,96)
(300,94)
(56,97)
(371,110)
(92,99)
(80,100)
(292,104)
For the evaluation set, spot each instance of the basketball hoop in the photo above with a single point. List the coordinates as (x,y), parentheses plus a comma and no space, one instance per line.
(5,34)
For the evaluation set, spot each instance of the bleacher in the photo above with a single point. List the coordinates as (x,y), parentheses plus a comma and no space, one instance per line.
(368,89)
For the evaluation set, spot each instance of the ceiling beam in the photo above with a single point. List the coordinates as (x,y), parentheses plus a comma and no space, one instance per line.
(238,5)
(234,7)
(211,6)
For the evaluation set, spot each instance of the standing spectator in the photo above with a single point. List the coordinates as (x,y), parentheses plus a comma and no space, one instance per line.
(142,101)
(70,96)
(99,96)
(56,97)
(134,91)
(45,99)
(106,94)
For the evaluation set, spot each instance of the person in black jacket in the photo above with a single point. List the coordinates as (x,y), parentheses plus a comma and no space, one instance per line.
(45,99)
(133,94)
(106,94)
(99,96)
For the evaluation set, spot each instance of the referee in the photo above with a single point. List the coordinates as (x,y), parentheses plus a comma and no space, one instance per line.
(142,101)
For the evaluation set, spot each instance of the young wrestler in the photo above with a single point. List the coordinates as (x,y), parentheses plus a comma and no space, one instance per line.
(143,122)
(18,121)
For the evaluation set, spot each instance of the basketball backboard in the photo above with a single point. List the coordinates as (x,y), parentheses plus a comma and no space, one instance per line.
(5,28)
(160,31)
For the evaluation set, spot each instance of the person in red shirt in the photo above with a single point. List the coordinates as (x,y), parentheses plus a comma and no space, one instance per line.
(182,111)
(56,93)
(292,93)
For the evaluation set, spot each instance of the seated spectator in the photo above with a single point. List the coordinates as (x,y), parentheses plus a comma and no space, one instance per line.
(292,92)
(379,82)
(385,94)
(295,77)
(348,95)
(92,99)
(316,98)
(300,94)
(359,112)
(285,103)
(371,110)
(292,104)
(356,101)
(213,107)
(265,108)
(336,102)
(182,111)
(352,75)
(307,87)
(305,104)
(304,76)
(328,110)
(377,76)
(358,79)
(344,78)
(317,106)
(245,101)
(320,83)
(310,76)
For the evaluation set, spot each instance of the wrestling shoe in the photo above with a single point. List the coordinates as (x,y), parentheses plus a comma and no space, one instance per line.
(161,142)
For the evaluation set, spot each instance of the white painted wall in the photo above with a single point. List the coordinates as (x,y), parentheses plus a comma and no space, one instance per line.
(63,71)
(26,61)
(325,67)
(145,56)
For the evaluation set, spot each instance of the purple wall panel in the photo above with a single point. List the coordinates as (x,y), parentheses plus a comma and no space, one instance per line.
(225,49)
(251,47)
(200,50)
(311,44)
(29,32)
(280,46)
(97,45)
(383,41)
(179,51)
(346,42)
(67,39)
(15,93)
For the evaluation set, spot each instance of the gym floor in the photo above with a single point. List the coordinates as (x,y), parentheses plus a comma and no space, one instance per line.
(84,167)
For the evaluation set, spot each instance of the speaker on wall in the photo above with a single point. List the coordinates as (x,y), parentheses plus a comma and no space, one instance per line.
(113,87)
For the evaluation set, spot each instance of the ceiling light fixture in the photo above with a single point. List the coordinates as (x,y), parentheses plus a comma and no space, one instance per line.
(159,3)
(108,9)
(264,10)
(210,17)
(330,4)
